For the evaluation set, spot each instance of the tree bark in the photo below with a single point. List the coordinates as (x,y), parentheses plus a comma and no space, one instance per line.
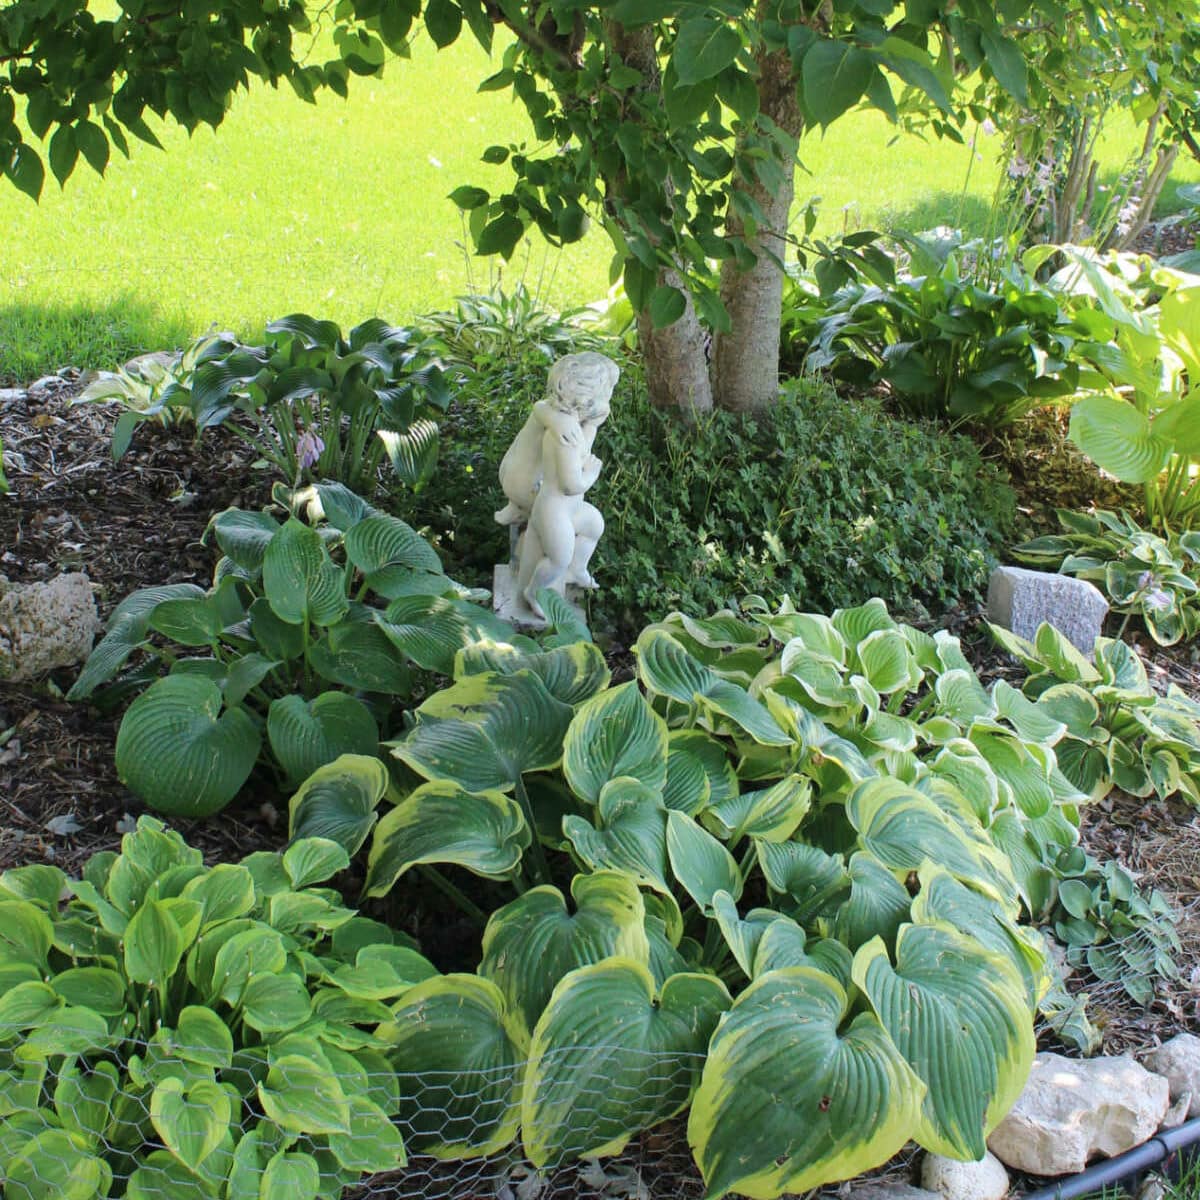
(746,360)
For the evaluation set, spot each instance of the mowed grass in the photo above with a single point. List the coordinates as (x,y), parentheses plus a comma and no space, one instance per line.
(340,209)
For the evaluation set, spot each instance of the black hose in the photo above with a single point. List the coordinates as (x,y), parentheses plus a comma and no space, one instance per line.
(1114,1170)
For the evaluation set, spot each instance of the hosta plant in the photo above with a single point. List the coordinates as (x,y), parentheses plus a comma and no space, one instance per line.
(793,855)
(1142,574)
(1119,731)
(319,617)
(169,1029)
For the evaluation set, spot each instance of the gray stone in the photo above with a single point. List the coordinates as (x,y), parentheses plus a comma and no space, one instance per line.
(1074,1110)
(12,395)
(983,1180)
(1021,600)
(894,1190)
(510,606)
(1179,1062)
(45,625)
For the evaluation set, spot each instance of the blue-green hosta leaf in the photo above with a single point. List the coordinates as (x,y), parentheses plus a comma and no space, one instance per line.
(784,944)
(612,735)
(43,1164)
(189,621)
(191,1119)
(484,731)
(790,1099)
(439,822)
(339,800)
(962,697)
(178,754)
(629,834)
(1032,722)
(531,943)
(699,862)
(361,656)
(742,935)
(611,1056)
(1118,438)
(431,630)
(338,505)
(687,787)
(957,1013)
(813,879)
(303,1096)
(886,661)
(306,735)
(244,537)
(301,582)
(460,1056)
(381,541)
(374,1143)
(666,668)
(877,906)
(413,452)
(572,674)
(772,814)
(721,777)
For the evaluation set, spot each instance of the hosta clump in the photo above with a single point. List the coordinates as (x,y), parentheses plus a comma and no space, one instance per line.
(779,877)
(169,1029)
(1156,578)
(1119,731)
(318,618)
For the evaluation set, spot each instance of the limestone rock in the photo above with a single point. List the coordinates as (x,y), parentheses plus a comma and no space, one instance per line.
(1179,1061)
(1074,1110)
(12,395)
(45,625)
(954,1180)
(1021,600)
(895,1190)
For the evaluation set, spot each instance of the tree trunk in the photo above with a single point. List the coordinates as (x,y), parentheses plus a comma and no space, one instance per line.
(746,360)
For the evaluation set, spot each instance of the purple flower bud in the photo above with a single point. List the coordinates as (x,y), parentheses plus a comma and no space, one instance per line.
(1145,580)
(308,449)
(1157,600)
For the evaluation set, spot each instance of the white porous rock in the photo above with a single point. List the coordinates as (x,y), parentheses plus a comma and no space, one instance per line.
(894,1190)
(1021,600)
(45,625)
(953,1180)
(1179,1061)
(1074,1110)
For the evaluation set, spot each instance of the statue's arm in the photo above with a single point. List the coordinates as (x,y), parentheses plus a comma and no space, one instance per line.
(571,467)
(564,426)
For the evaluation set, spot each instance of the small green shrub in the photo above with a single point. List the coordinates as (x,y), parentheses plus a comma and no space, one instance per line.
(169,1029)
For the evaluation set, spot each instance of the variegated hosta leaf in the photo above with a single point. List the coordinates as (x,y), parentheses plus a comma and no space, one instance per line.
(958,1014)
(485,731)
(687,787)
(1013,836)
(301,582)
(1058,654)
(772,814)
(615,734)
(307,734)
(699,862)
(960,762)
(571,673)
(857,624)
(431,630)
(1121,667)
(877,906)
(1118,438)
(1032,722)
(338,801)
(886,661)
(611,1057)
(531,943)
(783,944)
(742,935)
(629,833)
(962,697)
(439,822)
(789,1100)
(696,745)
(460,1058)
(817,633)
(1013,763)
(815,881)
(823,682)
(722,631)
(667,669)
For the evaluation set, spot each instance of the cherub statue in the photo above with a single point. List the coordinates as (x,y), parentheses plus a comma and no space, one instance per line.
(547,470)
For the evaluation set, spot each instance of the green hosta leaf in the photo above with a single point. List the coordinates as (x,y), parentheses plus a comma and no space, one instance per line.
(29,1003)
(52,1164)
(610,1057)
(462,1059)
(360,656)
(382,541)
(26,934)
(96,988)
(307,735)
(291,1176)
(696,745)
(302,583)
(85,1103)
(175,752)
(194,621)
(878,904)
(431,630)
(572,674)
(245,954)
(530,944)
(790,1100)
(202,1037)
(439,822)
(701,864)
(244,536)
(314,860)
(413,452)
(957,1013)
(615,734)
(374,1144)
(38,883)
(191,1119)
(154,944)
(666,668)
(772,814)
(338,801)
(1118,438)
(274,1003)
(301,1096)
(630,833)
(161,1175)
(485,731)
(224,893)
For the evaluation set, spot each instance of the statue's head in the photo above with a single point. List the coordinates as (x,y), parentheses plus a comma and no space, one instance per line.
(581,384)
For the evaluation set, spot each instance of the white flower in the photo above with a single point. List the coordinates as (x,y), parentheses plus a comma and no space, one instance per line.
(1018,167)
(987,127)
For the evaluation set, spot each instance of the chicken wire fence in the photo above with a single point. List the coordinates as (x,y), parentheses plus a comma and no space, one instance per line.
(129,1120)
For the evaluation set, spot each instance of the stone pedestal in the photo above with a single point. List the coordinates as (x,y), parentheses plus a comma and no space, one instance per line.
(511,607)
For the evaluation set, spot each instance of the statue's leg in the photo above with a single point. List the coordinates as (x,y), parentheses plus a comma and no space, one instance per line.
(555,537)
(589,526)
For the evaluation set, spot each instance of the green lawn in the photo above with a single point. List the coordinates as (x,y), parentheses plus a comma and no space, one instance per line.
(340,210)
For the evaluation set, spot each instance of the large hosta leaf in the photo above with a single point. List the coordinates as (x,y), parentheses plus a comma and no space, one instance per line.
(699,862)
(878,904)
(431,630)
(441,823)
(668,669)
(338,801)
(460,1059)
(301,582)
(571,673)
(380,541)
(530,944)
(359,655)
(611,1057)
(772,814)
(1118,438)
(790,1100)
(485,731)
(178,754)
(244,537)
(957,1012)
(612,735)
(690,751)
(306,735)
(629,833)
